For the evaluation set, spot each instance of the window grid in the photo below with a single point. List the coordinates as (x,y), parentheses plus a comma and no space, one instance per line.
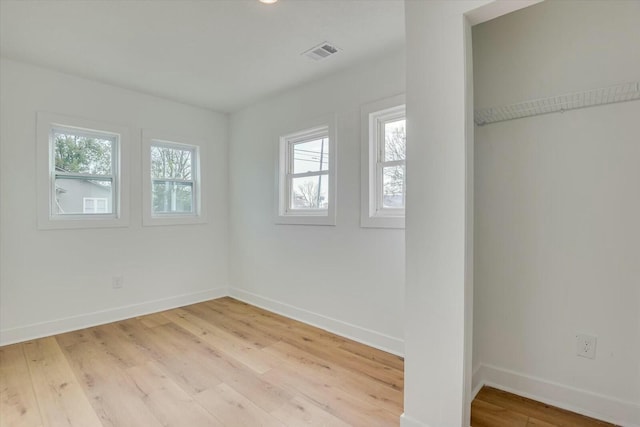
(172,184)
(379,140)
(306,137)
(306,185)
(58,173)
(320,134)
(383,174)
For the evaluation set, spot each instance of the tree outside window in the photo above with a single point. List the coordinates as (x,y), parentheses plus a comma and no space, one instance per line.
(172,176)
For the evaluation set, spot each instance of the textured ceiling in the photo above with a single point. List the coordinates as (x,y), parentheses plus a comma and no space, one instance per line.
(218,54)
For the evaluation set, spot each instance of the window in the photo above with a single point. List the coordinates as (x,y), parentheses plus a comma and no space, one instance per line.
(83,164)
(384,154)
(172,178)
(79,173)
(94,205)
(307,176)
(172,193)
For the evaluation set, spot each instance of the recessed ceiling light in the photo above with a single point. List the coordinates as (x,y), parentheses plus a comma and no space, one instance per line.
(268,1)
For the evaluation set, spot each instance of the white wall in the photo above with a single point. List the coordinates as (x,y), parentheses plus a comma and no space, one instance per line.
(557,209)
(439,243)
(53,280)
(345,278)
(439,227)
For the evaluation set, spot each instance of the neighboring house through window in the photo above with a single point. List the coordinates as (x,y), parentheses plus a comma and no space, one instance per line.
(384,163)
(83,163)
(307,176)
(80,178)
(94,205)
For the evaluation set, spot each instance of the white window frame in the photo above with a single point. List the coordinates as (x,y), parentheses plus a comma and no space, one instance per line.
(198,148)
(324,127)
(46,123)
(373,118)
(95,203)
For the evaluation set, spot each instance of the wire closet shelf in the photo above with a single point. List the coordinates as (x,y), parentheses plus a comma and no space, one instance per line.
(559,104)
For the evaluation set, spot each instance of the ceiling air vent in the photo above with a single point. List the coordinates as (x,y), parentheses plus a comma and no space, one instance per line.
(322,51)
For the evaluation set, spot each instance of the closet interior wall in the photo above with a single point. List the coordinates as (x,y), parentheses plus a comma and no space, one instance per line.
(556,209)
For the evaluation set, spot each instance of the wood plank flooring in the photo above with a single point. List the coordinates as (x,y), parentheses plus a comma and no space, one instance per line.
(497,408)
(220,363)
(217,363)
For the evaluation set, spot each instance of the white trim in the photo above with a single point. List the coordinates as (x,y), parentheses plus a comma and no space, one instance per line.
(200,179)
(496,9)
(407,421)
(365,336)
(370,215)
(595,405)
(476,383)
(284,215)
(73,323)
(120,216)
(44,329)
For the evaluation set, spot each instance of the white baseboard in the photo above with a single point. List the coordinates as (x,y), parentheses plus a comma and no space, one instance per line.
(476,382)
(365,336)
(407,421)
(58,326)
(584,402)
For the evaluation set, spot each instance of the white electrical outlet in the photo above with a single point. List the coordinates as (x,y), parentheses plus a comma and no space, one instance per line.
(586,346)
(117,282)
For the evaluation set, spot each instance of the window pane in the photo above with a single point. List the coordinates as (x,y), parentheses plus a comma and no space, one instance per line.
(169,162)
(311,156)
(82,154)
(172,197)
(94,205)
(310,192)
(82,196)
(395,140)
(393,187)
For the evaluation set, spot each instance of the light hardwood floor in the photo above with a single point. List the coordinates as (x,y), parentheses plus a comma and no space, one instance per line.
(497,408)
(217,363)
